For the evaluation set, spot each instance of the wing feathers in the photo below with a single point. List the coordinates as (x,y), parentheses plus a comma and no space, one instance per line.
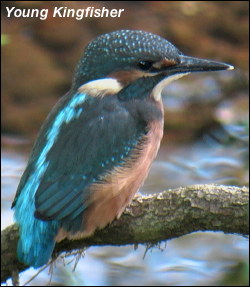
(87,148)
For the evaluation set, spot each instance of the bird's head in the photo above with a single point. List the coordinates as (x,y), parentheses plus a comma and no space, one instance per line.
(128,55)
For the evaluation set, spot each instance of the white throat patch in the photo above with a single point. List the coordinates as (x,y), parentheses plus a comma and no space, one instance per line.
(156,92)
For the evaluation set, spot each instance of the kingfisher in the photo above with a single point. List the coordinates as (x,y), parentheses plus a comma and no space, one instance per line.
(96,146)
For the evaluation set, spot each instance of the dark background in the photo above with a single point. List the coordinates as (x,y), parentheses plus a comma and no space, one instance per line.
(39,56)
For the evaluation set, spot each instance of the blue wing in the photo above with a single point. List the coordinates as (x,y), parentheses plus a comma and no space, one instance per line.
(87,139)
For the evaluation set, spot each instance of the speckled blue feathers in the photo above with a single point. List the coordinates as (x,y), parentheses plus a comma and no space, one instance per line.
(121,48)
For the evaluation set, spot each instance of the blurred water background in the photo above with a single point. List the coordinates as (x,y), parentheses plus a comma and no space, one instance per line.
(205,140)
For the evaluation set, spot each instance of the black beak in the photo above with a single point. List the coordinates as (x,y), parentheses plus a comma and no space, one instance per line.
(189,65)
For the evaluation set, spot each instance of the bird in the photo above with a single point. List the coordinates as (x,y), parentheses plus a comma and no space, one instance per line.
(95,148)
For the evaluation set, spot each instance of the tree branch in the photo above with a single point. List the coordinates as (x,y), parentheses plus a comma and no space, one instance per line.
(153,218)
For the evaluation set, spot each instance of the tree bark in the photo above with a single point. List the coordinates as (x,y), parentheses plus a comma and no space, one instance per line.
(153,218)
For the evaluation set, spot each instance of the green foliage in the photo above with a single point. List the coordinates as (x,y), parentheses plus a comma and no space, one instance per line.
(4,39)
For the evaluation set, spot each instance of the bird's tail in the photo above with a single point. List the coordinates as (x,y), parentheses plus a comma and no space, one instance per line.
(36,243)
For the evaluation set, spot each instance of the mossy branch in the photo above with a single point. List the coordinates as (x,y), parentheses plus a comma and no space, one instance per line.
(153,218)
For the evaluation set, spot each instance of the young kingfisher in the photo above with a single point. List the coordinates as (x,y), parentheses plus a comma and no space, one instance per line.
(95,148)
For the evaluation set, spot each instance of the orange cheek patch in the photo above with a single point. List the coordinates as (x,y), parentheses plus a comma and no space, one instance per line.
(125,77)
(168,62)
(164,63)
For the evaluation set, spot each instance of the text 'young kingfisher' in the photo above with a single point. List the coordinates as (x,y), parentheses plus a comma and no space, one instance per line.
(95,148)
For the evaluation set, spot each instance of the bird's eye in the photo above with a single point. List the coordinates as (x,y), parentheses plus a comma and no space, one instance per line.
(145,65)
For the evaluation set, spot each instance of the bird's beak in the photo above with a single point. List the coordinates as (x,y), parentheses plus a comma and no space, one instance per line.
(190,64)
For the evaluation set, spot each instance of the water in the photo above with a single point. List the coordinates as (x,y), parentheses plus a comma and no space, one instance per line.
(195,259)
